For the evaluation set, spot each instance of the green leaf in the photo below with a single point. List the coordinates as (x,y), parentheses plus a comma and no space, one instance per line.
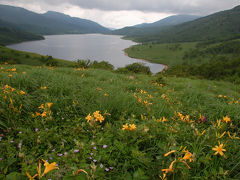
(15,176)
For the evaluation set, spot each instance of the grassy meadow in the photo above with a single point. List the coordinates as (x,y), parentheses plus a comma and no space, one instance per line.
(169,54)
(190,53)
(81,123)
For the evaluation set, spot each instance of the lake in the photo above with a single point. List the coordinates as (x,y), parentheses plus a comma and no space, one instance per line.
(97,47)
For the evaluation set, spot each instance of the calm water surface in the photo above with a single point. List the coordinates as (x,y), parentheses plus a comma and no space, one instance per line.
(87,46)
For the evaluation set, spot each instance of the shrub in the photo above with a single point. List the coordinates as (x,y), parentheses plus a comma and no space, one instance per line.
(138,68)
(83,63)
(51,62)
(122,70)
(102,65)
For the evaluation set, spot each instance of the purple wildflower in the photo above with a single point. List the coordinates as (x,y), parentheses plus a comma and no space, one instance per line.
(91,153)
(11,141)
(106,169)
(0,159)
(111,168)
(50,158)
(101,165)
(94,160)
(20,132)
(65,153)
(204,119)
(77,150)
(36,129)
(95,147)
(59,154)
(90,157)
(19,145)
(104,146)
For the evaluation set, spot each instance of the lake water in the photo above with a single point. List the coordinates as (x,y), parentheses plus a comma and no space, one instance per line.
(85,46)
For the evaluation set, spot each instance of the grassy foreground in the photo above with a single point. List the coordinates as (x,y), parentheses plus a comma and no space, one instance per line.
(96,124)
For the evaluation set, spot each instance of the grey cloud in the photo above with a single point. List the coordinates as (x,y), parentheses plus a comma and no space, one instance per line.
(200,7)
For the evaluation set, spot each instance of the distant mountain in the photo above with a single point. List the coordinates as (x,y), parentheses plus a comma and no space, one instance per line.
(170,21)
(148,28)
(218,26)
(48,23)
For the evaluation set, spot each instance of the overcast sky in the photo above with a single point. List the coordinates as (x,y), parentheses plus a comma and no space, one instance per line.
(121,13)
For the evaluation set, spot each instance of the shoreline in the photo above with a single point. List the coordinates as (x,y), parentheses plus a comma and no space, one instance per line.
(165,66)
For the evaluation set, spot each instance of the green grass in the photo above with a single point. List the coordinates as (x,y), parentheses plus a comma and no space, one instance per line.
(160,53)
(20,57)
(189,53)
(65,137)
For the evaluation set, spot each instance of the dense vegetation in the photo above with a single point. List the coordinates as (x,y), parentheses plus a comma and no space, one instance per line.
(219,26)
(85,120)
(95,123)
(208,60)
(10,36)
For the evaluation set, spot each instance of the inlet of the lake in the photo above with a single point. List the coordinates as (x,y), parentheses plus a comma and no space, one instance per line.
(97,47)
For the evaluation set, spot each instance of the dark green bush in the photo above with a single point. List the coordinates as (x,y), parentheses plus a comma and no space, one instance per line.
(83,63)
(138,68)
(101,65)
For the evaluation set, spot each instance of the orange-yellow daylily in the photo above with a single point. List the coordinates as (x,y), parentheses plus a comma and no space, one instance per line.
(132,127)
(44,114)
(125,127)
(219,149)
(226,119)
(173,151)
(49,167)
(89,117)
(49,105)
(30,177)
(188,156)
(22,92)
(41,107)
(219,136)
(170,169)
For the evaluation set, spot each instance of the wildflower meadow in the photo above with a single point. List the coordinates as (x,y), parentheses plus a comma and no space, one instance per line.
(76,123)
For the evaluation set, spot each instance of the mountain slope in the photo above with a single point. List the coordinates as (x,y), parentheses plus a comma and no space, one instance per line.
(219,26)
(9,33)
(170,21)
(48,23)
(149,28)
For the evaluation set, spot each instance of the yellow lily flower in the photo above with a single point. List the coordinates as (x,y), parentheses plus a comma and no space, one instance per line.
(226,119)
(125,127)
(88,118)
(30,177)
(219,149)
(132,127)
(173,151)
(49,167)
